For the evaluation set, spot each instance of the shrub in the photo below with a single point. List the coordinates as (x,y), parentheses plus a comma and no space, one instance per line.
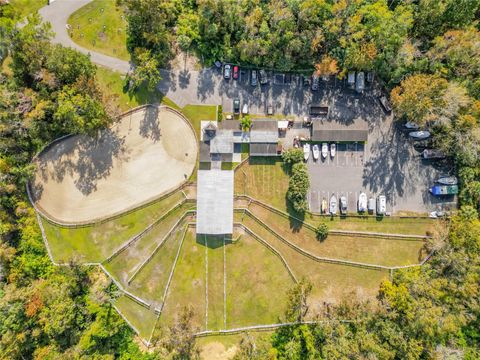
(292,156)
(219,113)
(298,187)
(321,231)
(246,123)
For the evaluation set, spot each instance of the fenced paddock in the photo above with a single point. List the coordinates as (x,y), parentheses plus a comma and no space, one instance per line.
(148,152)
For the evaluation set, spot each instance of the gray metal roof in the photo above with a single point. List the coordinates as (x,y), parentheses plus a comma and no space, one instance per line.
(222,143)
(331,130)
(263,136)
(204,151)
(215,202)
(263,149)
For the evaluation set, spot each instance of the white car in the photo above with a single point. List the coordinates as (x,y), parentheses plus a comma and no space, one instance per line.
(362,202)
(381,205)
(324,150)
(333,150)
(316,152)
(333,205)
(245,109)
(306,151)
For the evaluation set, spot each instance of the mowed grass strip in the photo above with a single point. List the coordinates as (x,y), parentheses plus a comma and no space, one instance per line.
(197,113)
(27,7)
(371,250)
(99,26)
(95,243)
(151,281)
(215,280)
(128,261)
(331,282)
(257,284)
(140,317)
(263,179)
(188,284)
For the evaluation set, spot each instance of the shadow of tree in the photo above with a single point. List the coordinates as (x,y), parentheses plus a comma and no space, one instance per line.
(149,125)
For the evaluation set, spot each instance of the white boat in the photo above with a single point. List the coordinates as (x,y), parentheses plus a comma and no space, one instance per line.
(362,202)
(306,151)
(411,125)
(333,150)
(419,135)
(333,205)
(316,151)
(324,207)
(448,180)
(324,150)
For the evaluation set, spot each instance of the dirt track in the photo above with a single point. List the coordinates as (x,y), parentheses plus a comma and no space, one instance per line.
(143,156)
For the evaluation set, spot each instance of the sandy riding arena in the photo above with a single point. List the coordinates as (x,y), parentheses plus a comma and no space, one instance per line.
(144,155)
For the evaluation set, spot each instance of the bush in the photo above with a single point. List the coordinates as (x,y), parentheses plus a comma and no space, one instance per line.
(298,187)
(219,113)
(322,232)
(292,156)
(246,123)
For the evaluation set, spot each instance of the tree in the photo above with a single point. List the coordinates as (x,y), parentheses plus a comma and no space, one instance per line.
(146,71)
(292,156)
(326,67)
(298,187)
(420,98)
(180,341)
(246,123)
(321,231)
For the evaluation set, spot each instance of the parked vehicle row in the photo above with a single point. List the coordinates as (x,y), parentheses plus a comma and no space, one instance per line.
(236,107)
(364,205)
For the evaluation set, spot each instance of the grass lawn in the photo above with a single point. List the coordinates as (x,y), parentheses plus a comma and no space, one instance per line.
(372,250)
(95,243)
(151,281)
(197,113)
(263,179)
(101,31)
(188,284)
(331,282)
(254,274)
(215,282)
(112,83)
(27,7)
(140,317)
(125,264)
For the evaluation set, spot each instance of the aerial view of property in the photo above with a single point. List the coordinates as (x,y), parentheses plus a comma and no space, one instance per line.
(239,179)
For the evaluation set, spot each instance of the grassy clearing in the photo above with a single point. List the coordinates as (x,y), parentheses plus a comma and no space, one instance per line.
(254,274)
(27,7)
(140,317)
(112,84)
(99,26)
(215,282)
(188,283)
(150,283)
(264,179)
(331,282)
(125,264)
(95,243)
(197,113)
(372,250)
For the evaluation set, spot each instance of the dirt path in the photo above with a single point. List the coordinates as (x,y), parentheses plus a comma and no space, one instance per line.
(143,156)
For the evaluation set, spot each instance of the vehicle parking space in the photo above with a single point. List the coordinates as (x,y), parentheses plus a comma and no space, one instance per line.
(347,155)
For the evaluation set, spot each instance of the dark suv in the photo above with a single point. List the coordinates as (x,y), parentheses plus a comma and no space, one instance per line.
(236,106)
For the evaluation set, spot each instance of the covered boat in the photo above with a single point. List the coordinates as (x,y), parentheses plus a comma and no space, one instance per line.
(333,205)
(439,190)
(419,135)
(362,202)
(316,152)
(306,151)
(448,180)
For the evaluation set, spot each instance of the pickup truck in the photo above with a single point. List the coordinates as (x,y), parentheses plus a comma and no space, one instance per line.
(439,190)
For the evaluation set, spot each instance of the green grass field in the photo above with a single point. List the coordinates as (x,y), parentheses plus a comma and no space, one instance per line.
(254,273)
(95,243)
(99,26)
(27,7)
(139,316)
(197,113)
(370,250)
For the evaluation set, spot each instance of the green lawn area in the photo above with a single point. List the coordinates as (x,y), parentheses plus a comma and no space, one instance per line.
(139,316)
(254,274)
(27,7)
(331,282)
(95,243)
(101,31)
(197,113)
(371,250)
(263,179)
(188,284)
(151,281)
(215,283)
(125,264)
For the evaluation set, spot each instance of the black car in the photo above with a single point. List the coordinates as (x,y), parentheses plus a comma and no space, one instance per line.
(236,106)
(263,77)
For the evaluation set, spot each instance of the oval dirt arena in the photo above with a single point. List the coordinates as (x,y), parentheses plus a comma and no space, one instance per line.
(144,155)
